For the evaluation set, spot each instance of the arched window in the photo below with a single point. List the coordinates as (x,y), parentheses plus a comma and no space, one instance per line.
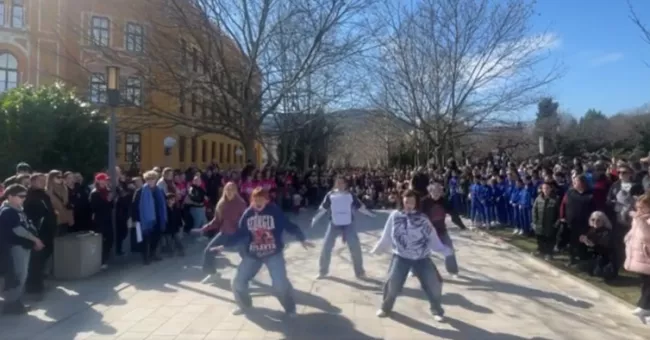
(8,72)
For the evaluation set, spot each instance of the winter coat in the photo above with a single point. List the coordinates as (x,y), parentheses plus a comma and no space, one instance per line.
(61,203)
(576,209)
(546,213)
(637,246)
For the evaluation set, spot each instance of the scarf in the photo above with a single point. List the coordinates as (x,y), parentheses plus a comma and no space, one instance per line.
(148,212)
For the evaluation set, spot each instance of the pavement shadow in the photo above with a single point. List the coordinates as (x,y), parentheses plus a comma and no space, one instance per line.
(527,292)
(462,330)
(261,289)
(448,299)
(306,326)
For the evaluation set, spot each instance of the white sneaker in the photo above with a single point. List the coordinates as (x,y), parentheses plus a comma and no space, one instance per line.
(641,312)
(381,314)
(455,276)
(320,276)
(515,232)
(520,232)
(439,318)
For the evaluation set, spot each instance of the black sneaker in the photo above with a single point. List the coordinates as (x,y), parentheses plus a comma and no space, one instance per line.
(16,308)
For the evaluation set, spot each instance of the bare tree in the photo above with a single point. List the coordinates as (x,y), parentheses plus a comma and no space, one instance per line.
(645,31)
(447,67)
(225,66)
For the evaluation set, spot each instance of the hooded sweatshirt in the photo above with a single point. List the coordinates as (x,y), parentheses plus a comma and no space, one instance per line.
(261,231)
(411,236)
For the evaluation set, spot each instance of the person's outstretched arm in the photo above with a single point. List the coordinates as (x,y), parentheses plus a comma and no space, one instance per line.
(385,242)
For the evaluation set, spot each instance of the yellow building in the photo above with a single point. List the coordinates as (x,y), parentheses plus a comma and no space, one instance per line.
(43,41)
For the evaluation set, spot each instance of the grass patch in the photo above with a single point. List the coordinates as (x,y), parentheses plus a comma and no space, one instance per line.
(626,286)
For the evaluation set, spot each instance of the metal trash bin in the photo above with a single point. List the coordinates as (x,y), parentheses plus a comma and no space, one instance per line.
(77,255)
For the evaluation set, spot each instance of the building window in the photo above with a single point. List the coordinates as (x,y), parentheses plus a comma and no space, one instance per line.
(193,104)
(205,110)
(97,88)
(204,151)
(100,31)
(220,153)
(213,152)
(228,153)
(134,91)
(2,13)
(181,101)
(195,59)
(134,38)
(17,14)
(182,146)
(132,148)
(193,149)
(8,72)
(183,52)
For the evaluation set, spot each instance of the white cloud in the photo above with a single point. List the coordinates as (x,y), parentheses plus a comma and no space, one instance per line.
(606,58)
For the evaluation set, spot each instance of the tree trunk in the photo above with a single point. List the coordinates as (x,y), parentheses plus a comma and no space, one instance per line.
(305,158)
(249,150)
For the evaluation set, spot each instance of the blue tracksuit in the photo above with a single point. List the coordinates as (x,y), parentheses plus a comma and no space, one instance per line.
(477,208)
(490,203)
(500,203)
(525,203)
(455,195)
(512,199)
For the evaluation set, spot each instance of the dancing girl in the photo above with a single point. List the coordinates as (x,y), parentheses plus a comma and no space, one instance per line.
(340,203)
(411,237)
(260,231)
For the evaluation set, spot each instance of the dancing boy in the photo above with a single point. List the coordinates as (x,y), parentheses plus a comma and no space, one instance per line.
(341,205)
(260,229)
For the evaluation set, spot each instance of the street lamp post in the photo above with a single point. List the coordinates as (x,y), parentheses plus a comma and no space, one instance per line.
(113,96)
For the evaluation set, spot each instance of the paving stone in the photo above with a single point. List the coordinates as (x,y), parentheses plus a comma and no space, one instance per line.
(498,296)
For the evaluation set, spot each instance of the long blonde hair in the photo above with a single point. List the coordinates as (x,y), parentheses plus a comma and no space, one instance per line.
(218,211)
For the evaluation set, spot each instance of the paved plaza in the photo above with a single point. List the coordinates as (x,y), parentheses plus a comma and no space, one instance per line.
(499,296)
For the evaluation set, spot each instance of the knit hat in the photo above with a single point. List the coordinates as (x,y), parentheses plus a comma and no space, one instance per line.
(101,177)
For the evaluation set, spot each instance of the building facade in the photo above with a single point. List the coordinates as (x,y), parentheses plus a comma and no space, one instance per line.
(44,41)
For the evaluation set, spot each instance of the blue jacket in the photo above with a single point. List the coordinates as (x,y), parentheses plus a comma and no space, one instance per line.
(488,193)
(532,191)
(524,199)
(261,231)
(498,193)
(475,193)
(513,198)
(453,186)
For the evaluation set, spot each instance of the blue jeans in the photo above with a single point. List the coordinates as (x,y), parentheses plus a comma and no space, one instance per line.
(198,217)
(427,274)
(351,238)
(249,267)
(450,261)
(16,274)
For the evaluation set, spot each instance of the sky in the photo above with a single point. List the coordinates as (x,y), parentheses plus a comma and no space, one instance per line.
(602,53)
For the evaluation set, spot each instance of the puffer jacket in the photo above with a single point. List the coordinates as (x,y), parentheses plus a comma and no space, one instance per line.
(637,246)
